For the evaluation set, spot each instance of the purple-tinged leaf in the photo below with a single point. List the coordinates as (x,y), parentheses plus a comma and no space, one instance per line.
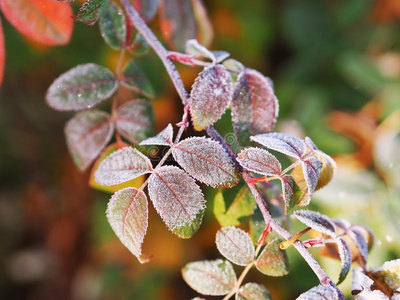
(87,134)
(210,277)
(362,287)
(345,257)
(359,240)
(273,261)
(133,78)
(282,142)
(164,138)
(81,87)
(235,244)
(207,161)
(121,166)
(210,96)
(177,199)
(259,161)
(389,274)
(254,106)
(194,48)
(90,11)
(316,221)
(253,291)
(134,120)
(320,292)
(127,213)
(311,171)
(289,191)
(112,24)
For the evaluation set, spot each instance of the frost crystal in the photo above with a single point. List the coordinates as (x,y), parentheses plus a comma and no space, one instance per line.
(121,166)
(207,161)
(210,277)
(361,287)
(253,291)
(164,138)
(345,257)
(316,221)
(176,197)
(87,134)
(127,213)
(259,161)
(273,261)
(289,189)
(320,292)
(282,142)
(359,240)
(193,47)
(134,120)
(210,96)
(235,244)
(311,170)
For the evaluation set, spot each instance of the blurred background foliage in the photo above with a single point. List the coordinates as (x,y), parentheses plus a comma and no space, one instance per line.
(336,71)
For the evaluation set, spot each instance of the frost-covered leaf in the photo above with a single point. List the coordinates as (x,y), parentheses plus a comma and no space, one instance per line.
(233,205)
(259,161)
(127,213)
(254,106)
(320,292)
(112,24)
(207,161)
(164,138)
(235,244)
(210,277)
(345,257)
(134,120)
(282,142)
(47,22)
(177,199)
(139,45)
(289,191)
(2,53)
(389,274)
(311,170)
(253,291)
(361,243)
(121,166)
(210,96)
(273,261)
(90,11)
(81,87)
(234,65)
(177,23)
(316,221)
(134,78)
(87,134)
(361,287)
(146,8)
(194,48)
(220,56)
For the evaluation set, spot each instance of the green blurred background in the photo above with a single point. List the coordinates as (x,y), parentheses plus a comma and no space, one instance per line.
(336,72)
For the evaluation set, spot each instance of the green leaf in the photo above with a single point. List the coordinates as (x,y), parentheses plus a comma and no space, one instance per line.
(253,291)
(112,24)
(231,206)
(273,261)
(212,277)
(186,231)
(257,225)
(133,78)
(90,11)
(81,87)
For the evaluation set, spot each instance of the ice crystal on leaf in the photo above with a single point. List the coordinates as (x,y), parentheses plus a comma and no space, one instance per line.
(122,165)
(320,292)
(273,261)
(127,213)
(113,26)
(253,291)
(194,48)
(176,197)
(90,11)
(289,191)
(87,134)
(259,161)
(345,257)
(311,170)
(360,242)
(362,287)
(316,221)
(207,161)
(164,138)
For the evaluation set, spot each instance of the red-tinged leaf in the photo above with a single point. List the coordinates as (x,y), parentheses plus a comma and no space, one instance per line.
(254,106)
(210,277)
(345,257)
(235,244)
(133,78)
(320,292)
(178,200)
(205,32)
(164,138)
(290,192)
(121,166)
(81,87)
(207,161)
(134,120)
(127,213)
(259,161)
(112,24)
(2,53)
(282,142)
(210,96)
(253,291)
(177,23)
(361,243)
(90,11)
(316,221)
(48,22)
(311,171)
(273,261)
(87,134)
